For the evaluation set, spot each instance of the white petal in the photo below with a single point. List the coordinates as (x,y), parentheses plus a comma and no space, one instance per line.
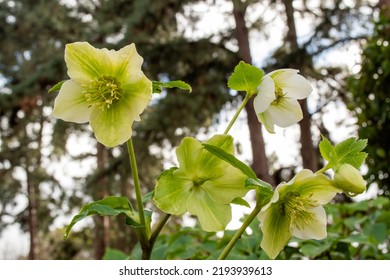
(317,229)
(286,71)
(266,119)
(294,86)
(265,96)
(70,104)
(286,113)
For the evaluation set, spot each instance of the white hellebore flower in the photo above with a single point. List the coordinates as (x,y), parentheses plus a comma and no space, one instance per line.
(296,209)
(276,102)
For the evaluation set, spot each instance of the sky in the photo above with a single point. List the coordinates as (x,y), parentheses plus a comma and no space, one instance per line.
(283,143)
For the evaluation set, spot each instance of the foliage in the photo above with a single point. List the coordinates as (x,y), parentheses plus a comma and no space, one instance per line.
(370,103)
(356,231)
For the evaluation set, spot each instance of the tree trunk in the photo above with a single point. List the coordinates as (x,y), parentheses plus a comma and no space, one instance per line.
(308,152)
(32,217)
(260,160)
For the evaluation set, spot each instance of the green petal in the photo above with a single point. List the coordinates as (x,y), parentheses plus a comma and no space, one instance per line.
(126,64)
(187,155)
(198,162)
(212,166)
(70,104)
(276,230)
(113,126)
(230,185)
(212,216)
(172,192)
(86,63)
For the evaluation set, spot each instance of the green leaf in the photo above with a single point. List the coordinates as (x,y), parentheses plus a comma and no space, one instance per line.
(378,232)
(56,87)
(264,191)
(326,149)
(114,254)
(109,206)
(133,221)
(245,77)
(314,249)
(240,201)
(148,197)
(257,183)
(159,86)
(229,158)
(348,151)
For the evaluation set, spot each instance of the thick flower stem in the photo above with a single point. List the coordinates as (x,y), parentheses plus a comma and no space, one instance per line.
(240,231)
(233,120)
(142,233)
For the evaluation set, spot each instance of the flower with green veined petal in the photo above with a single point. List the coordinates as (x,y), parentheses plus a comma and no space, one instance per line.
(296,210)
(106,88)
(203,185)
(276,102)
(348,179)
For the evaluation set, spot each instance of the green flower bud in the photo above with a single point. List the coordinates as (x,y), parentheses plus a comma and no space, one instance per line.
(348,179)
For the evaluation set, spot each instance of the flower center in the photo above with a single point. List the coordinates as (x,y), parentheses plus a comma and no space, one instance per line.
(102,92)
(279,96)
(295,207)
(199,182)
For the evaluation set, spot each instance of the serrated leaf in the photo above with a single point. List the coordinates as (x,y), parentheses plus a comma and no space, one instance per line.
(159,86)
(229,158)
(326,149)
(350,151)
(245,77)
(56,87)
(109,206)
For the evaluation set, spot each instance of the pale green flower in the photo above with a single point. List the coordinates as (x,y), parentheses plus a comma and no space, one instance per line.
(203,185)
(296,210)
(348,179)
(106,88)
(276,102)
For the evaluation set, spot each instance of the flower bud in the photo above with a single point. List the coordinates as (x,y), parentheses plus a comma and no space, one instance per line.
(349,180)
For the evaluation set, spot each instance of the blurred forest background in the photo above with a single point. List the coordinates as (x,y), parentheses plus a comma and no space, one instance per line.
(49,168)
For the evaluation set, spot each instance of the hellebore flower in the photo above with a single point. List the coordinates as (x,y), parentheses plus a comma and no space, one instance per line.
(276,102)
(106,88)
(203,185)
(296,210)
(348,179)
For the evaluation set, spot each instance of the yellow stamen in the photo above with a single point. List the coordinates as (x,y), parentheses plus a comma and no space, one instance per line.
(102,92)
(296,208)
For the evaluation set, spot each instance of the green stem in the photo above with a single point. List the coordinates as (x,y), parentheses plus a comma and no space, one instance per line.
(157,230)
(142,233)
(240,231)
(233,120)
